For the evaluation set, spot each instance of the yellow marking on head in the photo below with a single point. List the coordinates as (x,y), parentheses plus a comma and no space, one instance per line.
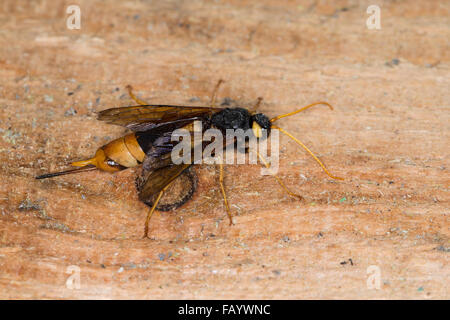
(257,130)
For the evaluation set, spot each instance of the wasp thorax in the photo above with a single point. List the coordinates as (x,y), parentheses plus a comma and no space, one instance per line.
(236,118)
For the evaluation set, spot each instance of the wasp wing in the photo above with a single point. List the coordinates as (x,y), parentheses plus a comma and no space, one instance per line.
(180,190)
(159,142)
(142,118)
(158,169)
(155,181)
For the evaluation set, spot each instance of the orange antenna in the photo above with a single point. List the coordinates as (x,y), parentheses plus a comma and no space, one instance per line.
(309,151)
(300,110)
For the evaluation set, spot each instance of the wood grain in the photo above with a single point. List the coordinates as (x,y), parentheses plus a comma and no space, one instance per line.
(388,136)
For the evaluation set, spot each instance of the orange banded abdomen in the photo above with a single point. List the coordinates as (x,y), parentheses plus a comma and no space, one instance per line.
(124,152)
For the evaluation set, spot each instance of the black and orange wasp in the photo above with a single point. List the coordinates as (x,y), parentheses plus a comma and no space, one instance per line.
(150,145)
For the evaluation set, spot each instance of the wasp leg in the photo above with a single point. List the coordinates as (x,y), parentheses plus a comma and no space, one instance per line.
(255,108)
(214,95)
(280,182)
(138,101)
(149,215)
(224,194)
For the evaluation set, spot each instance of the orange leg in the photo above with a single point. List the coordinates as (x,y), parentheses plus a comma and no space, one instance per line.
(258,103)
(280,182)
(222,188)
(214,95)
(149,215)
(138,101)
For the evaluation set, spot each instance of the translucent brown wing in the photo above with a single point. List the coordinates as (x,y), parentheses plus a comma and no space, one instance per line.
(155,181)
(157,141)
(141,118)
(158,170)
(181,190)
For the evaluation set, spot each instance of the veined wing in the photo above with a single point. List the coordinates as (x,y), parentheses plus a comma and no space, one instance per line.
(141,118)
(155,181)
(157,143)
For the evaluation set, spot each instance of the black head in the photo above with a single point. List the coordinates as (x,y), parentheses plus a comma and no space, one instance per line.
(260,121)
(239,118)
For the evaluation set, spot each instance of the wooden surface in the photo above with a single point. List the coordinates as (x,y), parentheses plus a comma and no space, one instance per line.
(388,136)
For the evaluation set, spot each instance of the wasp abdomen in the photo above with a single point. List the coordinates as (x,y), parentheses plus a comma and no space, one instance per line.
(125,151)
